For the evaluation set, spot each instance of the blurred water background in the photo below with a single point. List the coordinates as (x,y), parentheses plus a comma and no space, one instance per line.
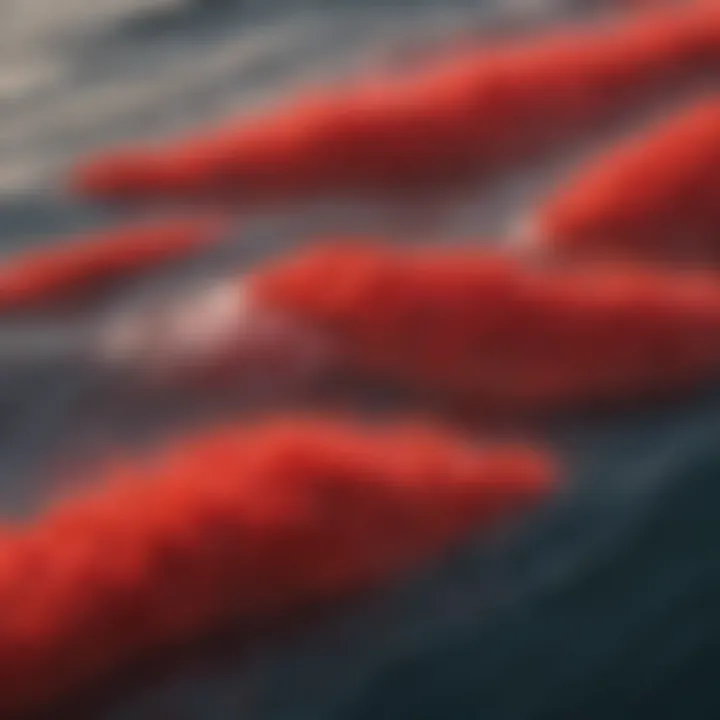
(604,605)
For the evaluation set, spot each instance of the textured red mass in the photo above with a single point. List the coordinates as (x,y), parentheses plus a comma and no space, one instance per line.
(494,331)
(236,525)
(475,112)
(654,197)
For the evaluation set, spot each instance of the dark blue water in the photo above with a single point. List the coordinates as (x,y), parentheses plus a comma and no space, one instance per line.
(605,604)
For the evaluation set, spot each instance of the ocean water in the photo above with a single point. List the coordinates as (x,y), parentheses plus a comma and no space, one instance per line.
(604,604)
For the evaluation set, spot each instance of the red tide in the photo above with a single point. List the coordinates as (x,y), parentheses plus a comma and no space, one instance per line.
(491,332)
(656,196)
(236,526)
(82,264)
(474,113)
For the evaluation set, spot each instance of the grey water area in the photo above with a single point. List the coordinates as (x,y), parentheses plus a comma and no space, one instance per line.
(603,603)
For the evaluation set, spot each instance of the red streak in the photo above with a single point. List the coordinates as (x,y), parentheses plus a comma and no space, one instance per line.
(472,114)
(83,264)
(489,330)
(656,196)
(237,525)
